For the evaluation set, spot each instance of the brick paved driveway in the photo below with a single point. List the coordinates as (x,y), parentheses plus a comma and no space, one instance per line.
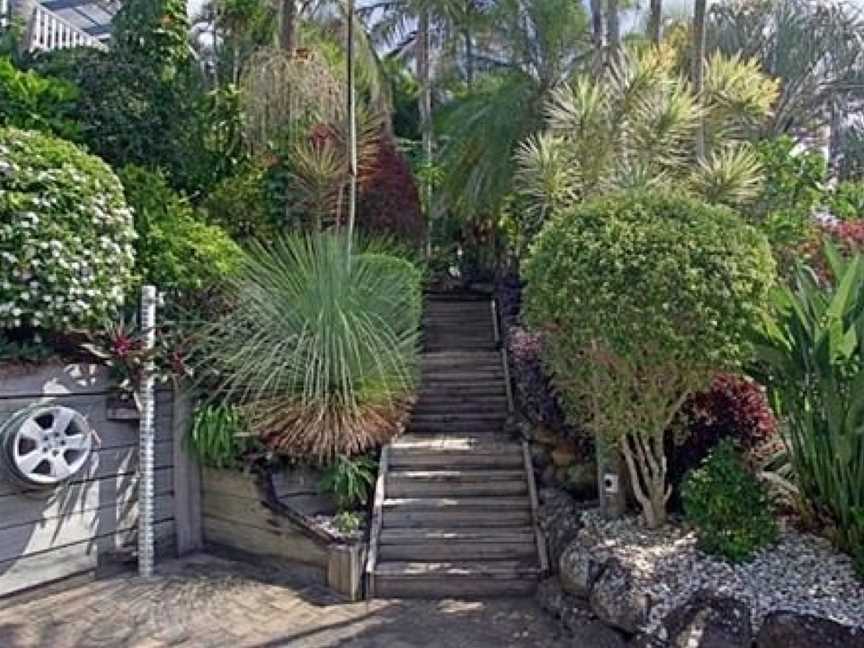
(211,602)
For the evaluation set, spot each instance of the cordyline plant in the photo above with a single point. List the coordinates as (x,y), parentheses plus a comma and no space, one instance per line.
(812,352)
(643,298)
(319,352)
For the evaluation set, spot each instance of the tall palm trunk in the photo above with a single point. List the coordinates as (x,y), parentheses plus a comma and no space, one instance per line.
(597,31)
(352,131)
(469,57)
(613,27)
(655,21)
(287,26)
(699,68)
(424,77)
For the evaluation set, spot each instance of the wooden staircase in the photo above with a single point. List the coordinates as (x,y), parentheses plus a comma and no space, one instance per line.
(455,503)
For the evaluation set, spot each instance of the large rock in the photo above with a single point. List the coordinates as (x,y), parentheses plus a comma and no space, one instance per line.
(792,630)
(572,612)
(709,621)
(617,599)
(597,635)
(579,568)
(560,520)
(645,640)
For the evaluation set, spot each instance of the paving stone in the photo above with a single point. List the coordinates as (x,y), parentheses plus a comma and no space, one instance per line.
(209,602)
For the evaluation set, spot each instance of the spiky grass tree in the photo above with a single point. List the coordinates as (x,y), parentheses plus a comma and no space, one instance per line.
(320,355)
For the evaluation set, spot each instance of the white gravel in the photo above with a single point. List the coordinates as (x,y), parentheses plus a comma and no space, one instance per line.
(802,572)
(326,522)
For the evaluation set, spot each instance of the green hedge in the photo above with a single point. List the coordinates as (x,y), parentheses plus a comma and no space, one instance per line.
(66,235)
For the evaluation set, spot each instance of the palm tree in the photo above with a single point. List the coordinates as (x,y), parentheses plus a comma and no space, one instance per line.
(613,26)
(532,47)
(288,25)
(699,66)
(597,33)
(655,21)
(815,49)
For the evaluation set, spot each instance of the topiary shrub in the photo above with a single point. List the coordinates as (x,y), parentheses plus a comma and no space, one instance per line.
(176,250)
(66,235)
(642,298)
(728,505)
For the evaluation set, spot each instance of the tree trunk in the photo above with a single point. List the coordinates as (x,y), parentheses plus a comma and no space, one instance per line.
(699,68)
(646,461)
(469,57)
(655,21)
(597,31)
(352,132)
(424,77)
(613,27)
(287,26)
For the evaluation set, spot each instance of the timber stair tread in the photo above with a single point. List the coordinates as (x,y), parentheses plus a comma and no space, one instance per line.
(459,568)
(454,502)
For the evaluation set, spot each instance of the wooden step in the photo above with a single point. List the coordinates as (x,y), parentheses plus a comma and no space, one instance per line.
(478,535)
(456,483)
(458,550)
(464,460)
(443,404)
(402,579)
(472,427)
(459,417)
(444,443)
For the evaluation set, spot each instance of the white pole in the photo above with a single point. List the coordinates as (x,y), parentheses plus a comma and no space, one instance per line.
(146,437)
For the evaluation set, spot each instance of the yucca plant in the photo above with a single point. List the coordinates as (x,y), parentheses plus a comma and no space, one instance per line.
(319,351)
(635,127)
(812,352)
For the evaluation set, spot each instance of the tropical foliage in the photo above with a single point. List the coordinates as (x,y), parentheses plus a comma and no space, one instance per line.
(812,353)
(31,101)
(320,350)
(636,127)
(728,506)
(175,249)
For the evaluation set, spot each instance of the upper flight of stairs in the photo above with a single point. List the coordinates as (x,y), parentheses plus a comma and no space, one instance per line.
(455,506)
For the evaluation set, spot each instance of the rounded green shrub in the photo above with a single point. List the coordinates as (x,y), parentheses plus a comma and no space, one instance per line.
(176,250)
(643,298)
(634,270)
(66,235)
(728,506)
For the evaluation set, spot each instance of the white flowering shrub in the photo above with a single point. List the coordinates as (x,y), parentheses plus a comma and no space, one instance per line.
(66,234)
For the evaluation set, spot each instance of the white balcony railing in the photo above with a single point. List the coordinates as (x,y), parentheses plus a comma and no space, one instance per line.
(47,31)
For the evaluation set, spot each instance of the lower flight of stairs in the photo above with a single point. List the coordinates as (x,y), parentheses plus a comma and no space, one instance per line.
(455,502)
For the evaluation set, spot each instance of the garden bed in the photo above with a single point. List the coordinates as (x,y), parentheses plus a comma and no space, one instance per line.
(642,583)
(244,512)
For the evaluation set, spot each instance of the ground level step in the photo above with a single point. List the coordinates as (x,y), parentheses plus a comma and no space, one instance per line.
(399,579)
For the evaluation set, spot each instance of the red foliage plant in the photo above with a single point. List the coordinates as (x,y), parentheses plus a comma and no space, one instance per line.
(733,407)
(389,201)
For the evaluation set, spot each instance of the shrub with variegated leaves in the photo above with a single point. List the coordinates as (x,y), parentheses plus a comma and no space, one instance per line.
(66,255)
